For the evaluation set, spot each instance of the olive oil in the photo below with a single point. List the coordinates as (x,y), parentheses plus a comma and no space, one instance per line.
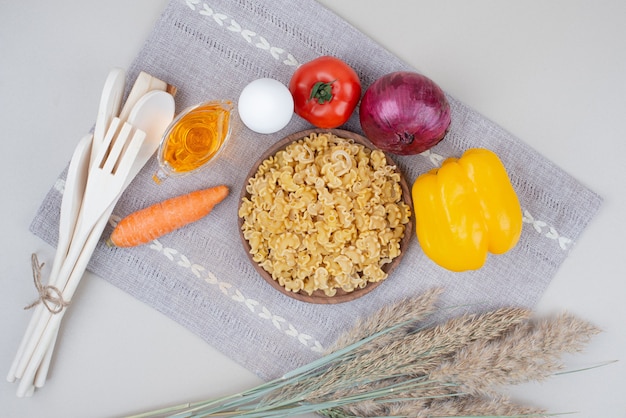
(194,138)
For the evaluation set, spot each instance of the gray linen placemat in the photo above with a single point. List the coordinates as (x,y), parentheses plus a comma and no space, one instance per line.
(200,275)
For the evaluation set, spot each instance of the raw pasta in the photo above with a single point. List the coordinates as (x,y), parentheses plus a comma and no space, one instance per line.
(324,213)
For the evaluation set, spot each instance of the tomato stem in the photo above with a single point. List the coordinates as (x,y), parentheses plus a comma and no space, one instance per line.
(322,92)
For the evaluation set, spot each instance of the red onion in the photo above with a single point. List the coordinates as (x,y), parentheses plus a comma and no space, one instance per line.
(404,113)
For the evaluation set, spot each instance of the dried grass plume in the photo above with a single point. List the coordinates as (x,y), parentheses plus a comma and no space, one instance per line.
(397,363)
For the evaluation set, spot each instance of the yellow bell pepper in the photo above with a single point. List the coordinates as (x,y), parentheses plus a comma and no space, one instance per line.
(466,209)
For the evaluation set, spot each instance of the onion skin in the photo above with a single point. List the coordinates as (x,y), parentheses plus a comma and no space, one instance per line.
(404,113)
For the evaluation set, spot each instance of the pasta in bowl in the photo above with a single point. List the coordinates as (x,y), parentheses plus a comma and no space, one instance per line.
(324,216)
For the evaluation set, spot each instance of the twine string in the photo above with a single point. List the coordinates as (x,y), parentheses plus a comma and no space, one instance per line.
(49,295)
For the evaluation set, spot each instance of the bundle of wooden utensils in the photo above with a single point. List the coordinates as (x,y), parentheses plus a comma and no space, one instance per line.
(125,136)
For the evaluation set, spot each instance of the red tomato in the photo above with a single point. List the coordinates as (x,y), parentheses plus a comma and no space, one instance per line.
(325,91)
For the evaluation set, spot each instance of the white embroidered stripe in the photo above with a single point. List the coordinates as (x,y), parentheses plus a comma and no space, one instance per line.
(279,54)
(233,293)
(236,295)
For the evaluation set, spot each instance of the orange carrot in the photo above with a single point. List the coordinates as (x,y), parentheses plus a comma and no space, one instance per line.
(162,218)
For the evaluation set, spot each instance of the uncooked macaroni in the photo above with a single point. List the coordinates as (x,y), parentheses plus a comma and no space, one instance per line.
(324,214)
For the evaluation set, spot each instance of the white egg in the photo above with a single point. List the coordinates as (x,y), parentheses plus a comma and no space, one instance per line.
(265,105)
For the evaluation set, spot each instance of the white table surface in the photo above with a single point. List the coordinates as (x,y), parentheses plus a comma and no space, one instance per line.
(552,73)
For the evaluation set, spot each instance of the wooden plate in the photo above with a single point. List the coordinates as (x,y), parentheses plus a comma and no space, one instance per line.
(319,296)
